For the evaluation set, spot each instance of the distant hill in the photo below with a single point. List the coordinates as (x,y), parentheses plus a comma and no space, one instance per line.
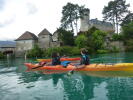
(7,44)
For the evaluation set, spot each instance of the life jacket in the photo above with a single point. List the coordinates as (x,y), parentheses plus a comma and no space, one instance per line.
(65,63)
(85,60)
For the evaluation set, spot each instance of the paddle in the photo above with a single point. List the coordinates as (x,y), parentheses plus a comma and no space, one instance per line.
(72,71)
(41,64)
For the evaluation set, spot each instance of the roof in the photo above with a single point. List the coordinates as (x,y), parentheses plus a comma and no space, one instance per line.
(27,36)
(44,32)
(95,21)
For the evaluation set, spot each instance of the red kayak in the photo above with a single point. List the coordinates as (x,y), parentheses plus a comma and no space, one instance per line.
(61,59)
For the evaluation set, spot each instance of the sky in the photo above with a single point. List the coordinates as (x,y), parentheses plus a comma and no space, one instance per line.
(18,16)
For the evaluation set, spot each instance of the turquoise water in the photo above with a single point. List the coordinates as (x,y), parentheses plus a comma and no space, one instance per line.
(17,84)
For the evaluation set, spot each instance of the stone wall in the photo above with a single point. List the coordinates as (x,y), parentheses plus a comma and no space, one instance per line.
(117,44)
(44,41)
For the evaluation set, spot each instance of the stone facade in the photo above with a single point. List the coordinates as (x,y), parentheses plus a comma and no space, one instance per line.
(27,41)
(44,39)
(86,24)
(24,43)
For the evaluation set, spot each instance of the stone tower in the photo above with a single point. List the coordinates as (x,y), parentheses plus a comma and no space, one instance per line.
(84,22)
(44,39)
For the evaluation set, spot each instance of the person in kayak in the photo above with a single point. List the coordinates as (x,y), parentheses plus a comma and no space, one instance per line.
(84,60)
(55,59)
(84,57)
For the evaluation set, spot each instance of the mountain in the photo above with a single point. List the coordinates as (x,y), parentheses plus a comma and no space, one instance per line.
(7,44)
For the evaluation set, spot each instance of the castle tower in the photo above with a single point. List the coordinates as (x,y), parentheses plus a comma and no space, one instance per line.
(84,22)
(44,39)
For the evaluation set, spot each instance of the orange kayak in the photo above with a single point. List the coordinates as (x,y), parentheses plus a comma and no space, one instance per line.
(61,59)
(91,67)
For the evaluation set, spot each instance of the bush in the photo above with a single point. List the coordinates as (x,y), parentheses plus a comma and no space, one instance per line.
(129,45)
(102,51)
(81,41)
(117,37)
(35,52)
(114,49)
(1,55)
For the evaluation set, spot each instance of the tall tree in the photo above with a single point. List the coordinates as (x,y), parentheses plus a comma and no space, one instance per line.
(128,31)
(71,13)
(115,11)
(66,37)
(127,19)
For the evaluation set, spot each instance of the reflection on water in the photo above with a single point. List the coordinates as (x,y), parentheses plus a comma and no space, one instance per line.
(17,84)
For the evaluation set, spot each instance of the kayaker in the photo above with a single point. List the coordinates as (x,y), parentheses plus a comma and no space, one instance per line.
(84,60)
(55,59)
(84,57)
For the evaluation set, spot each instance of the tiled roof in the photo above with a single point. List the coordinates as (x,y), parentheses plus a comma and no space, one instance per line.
(95,21)
(27,36)
(44,32)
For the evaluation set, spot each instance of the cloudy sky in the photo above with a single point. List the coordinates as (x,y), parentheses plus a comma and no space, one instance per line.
(18,16)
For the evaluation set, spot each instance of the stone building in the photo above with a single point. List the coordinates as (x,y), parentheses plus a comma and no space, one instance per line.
(25,42)
(47,40)
(86,23)
(44,40)
(55,40)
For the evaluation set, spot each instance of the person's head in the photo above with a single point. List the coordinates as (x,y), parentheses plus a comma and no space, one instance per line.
(83,51)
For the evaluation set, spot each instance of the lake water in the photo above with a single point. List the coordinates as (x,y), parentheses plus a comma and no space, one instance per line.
(17,84)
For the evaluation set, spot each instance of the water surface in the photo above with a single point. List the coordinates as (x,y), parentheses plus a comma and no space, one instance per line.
(17,84)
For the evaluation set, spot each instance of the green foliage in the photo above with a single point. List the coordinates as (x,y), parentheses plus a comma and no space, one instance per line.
(114,49)
(115,11)
(129,45)
(49,51)
(128,36)
(66,37)
(128,19)
(1,55)
(102,51)
(64,50)
(35,52)
(98,39)
(81,41)
(117,37)
(71,13)
(128,31)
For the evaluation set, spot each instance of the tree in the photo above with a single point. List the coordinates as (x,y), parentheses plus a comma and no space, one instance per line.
(98,38)
(66,37)
(128,36)
(128,31)
(71,14)
(115,11)
(35,52)
(81,41)
(1,55)
(127,19)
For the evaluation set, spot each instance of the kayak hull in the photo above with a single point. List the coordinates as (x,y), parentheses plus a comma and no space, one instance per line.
(91,67)
(61,59)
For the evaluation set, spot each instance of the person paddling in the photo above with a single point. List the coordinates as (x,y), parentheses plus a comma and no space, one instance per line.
(56,59)
(83,62)
(84,57)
